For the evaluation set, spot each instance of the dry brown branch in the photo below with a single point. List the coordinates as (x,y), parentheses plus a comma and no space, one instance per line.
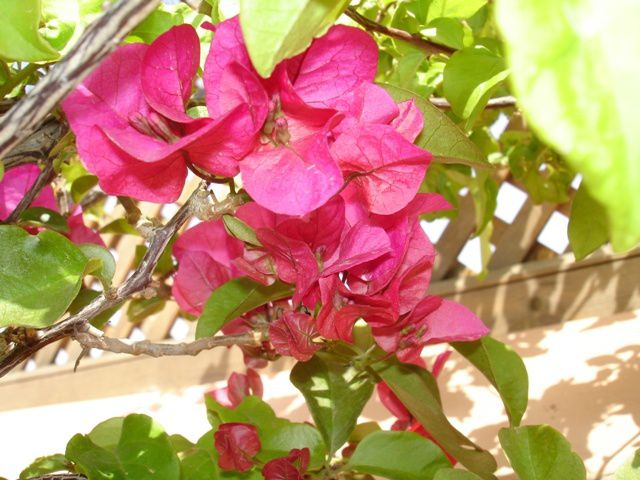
(89,340)
(96,43)
(498,102)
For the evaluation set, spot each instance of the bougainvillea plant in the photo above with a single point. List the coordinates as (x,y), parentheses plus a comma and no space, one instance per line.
(304,148)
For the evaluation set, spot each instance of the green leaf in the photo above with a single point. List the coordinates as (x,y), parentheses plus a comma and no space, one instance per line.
(44,217)
(504,369)
(588,224)
(81,186)
(454,8)
(120,226)
(44,465)
(39,276)
(235,298)
(446,31)
(131,448)
(630,470)
(335,394)
(469,79)
(85,297)
(101,263)
(158,22)
(412,390)
(141,308)
(398,455)
(277,29)
(240,230)
(19,35)
(538,452)
(441,136)
(584,103)
(277,436)
(451,474)
(199,465)
(60,18)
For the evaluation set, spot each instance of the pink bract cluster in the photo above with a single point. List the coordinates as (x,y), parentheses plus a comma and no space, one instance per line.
(17,182)
(327,157)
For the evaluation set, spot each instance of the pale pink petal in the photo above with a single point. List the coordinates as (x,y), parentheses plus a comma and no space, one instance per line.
(168,69)
(16,183)
(293,180)
(452,322)
(227,47)
(438,365)
(335,65)
(410,121)
(361,244)
(387,169)
(120,174)
(240,86)
(256,216)
(370,103)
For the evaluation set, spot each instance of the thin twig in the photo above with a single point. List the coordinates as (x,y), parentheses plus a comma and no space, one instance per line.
(79,322)
(90,340)
(60,476)
(45,176)
(498,102)
(102,37)
(412,38)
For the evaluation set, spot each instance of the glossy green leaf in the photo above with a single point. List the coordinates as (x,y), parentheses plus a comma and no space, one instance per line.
(44,465)
(81,186)
(335,394)
(630,470)
(578,85)
(443,138)
(240,230)
(419,399)
(44,217)
(504,369)
(20,38)
(120,227)
(398,456)
(101,263)
(451,474)
(278,29)
(454,8)
(277,436)
(588,224)
(235,298)
(39,276)
(156,23)
(470,77)
(446,31)
(139,449)
(538,452)
(199,465)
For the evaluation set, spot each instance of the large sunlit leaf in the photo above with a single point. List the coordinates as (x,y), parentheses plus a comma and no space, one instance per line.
(630,470)
(20,38)
(398,456)
(454,8)
(504,369)
(61,17)
(335,393)
(470,77)
(39,276)
(443,138)
(538,452)
(134,447)
(419,399)
(574,72)
(278,29)
(235,298)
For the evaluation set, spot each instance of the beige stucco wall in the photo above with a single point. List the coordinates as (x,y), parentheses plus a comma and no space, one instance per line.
(584,380)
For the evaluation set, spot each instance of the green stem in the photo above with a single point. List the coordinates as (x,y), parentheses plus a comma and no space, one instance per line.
(18,78)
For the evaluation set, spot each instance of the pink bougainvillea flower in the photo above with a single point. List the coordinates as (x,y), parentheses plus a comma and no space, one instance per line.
(386,168)
(205,254)
(291,467)
(237,444)
(16,183)
(131,125)
(292,334)
(80,233)
(238,387)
